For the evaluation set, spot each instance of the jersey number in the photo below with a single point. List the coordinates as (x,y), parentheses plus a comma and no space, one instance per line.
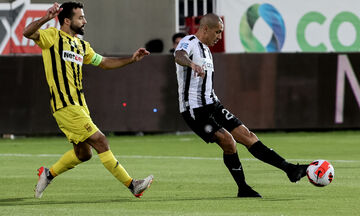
(228,115)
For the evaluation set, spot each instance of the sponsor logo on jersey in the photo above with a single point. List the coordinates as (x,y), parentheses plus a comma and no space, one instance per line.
(207,65)
(72,57)
(184,45)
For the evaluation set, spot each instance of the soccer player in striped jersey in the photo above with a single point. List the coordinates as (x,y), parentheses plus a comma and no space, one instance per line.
(208,118)
(63,56)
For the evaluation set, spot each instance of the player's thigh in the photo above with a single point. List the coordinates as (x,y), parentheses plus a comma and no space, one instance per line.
(76,123)
(232,124)
(202,123)
(99,142)
(225,118)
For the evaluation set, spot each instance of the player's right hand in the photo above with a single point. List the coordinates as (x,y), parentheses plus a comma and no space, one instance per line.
(198,70)
(53,11)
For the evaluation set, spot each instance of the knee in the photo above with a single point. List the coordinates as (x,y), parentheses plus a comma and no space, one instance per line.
(228,145)
(231,148)
(245,136)
(99,142)
(85,156)
(251,139)
(83,152)
(230,140)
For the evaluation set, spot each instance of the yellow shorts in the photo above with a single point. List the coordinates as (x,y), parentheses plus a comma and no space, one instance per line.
(75,123)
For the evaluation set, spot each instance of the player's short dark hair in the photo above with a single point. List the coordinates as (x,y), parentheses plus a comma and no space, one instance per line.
(177,35)
(155,46)
(67,11)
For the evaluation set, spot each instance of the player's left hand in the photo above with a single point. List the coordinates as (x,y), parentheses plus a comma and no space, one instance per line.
(139,54)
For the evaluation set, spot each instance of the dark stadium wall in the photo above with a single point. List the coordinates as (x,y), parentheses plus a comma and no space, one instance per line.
(266,91)
(24,97)
(139,97)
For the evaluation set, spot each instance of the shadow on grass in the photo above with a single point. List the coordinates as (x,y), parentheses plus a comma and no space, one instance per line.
(15,199)
(28,201)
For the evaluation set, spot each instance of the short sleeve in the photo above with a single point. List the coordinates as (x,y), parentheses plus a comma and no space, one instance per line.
(47,38)
(186,45)
(89,53)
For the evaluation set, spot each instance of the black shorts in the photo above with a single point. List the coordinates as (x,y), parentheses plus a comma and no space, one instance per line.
(206,120)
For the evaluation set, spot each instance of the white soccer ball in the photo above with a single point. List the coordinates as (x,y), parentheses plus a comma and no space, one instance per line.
(320,173)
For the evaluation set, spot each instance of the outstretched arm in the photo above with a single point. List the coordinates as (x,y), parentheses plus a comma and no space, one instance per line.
(117,62)
(182,58)
(31,30)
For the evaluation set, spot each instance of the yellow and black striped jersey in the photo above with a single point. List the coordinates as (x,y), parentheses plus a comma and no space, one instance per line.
(63,56)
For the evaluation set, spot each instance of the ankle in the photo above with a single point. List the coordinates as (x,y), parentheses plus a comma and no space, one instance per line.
(287,167)
(131,186)
(50,176)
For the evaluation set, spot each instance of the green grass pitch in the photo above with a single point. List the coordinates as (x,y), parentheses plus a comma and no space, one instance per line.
(190,177)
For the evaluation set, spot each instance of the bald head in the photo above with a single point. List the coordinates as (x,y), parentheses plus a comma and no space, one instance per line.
(211,20)
(211,27)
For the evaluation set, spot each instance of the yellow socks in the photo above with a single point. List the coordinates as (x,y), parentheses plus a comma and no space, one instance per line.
(110,163)
(66,162)
(69,161)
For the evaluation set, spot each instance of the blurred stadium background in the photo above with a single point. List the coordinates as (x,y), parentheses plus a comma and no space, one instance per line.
(280,65)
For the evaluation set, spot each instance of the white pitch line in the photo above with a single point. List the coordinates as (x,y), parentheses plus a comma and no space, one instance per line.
(168,157)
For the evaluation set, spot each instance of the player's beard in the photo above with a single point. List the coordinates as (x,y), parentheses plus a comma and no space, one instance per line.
(77,30)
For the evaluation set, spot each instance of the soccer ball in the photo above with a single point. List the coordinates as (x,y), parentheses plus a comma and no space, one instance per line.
(320,173)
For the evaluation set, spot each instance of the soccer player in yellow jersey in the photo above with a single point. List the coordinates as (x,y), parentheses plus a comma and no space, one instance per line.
(63,55)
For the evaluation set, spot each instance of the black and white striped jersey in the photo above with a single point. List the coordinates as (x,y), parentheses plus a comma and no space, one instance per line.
(196,91)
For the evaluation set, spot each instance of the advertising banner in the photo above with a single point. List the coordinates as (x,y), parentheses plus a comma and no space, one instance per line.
(13,19)
(291,26)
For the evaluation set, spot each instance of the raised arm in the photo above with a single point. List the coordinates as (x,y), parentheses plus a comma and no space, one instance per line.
(182,58)
(31,30)
(117,62)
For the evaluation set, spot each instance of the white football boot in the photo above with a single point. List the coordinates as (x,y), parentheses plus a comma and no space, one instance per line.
(43,181)
(139,186)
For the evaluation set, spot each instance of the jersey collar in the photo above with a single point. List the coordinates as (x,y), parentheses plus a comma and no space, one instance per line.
(66,34)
